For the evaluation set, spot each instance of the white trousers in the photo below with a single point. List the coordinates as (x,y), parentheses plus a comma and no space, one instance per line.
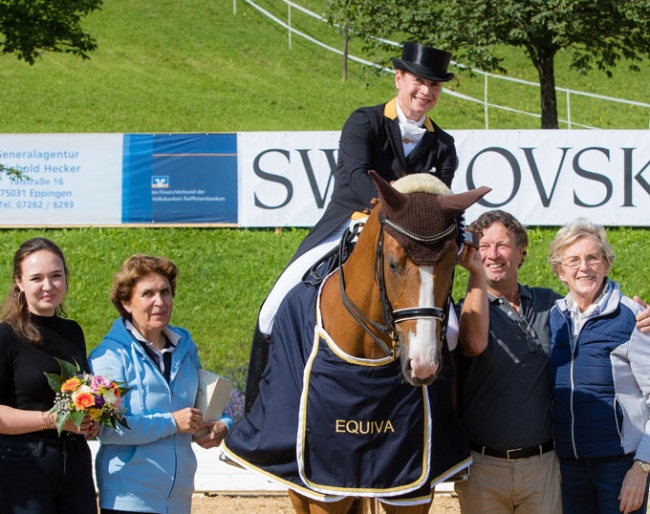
(292,275)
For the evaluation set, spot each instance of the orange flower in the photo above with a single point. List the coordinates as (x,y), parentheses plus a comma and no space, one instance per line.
(71,384)
(84,400)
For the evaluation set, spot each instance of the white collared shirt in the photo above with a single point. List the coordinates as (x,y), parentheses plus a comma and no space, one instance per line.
(172,337)
(579,318)
(412,131)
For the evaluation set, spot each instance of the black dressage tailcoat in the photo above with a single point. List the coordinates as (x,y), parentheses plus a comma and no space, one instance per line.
(371,140)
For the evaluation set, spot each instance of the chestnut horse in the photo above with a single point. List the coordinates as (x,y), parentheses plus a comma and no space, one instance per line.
(347,395)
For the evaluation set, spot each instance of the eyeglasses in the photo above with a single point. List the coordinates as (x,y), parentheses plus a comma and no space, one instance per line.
(591,261)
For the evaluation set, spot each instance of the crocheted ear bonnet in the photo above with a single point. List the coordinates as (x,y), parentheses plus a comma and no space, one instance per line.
(413,214)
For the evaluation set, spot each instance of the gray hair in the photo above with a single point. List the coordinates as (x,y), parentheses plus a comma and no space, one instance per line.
(573,231)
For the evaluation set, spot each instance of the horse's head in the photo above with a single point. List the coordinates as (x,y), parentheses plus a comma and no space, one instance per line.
(416,255)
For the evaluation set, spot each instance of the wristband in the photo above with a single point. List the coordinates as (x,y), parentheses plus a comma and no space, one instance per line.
(645,466)
(47,423)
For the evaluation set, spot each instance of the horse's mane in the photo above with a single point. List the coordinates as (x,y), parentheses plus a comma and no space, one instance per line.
(421,183)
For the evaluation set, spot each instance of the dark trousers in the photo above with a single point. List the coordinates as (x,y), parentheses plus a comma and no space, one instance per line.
(46,477)
(591,486)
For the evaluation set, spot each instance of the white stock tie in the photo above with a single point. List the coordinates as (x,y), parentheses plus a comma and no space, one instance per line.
(411,134)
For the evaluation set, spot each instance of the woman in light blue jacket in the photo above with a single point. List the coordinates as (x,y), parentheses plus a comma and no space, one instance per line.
(150,466)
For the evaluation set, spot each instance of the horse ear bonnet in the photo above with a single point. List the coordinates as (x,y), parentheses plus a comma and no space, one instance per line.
(420,213)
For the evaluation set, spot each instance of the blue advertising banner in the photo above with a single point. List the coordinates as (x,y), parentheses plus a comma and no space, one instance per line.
(179,178)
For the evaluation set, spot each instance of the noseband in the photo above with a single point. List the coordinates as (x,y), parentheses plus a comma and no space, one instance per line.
(391,317)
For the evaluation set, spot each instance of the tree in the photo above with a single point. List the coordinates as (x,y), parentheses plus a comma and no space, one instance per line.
(30,27)
(597,33)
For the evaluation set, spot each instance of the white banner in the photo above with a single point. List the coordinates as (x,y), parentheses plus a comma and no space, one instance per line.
(549,177)
(285,178)
(543,177)
(72,179)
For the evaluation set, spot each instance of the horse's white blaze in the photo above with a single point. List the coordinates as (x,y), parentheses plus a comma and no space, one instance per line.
(423,344)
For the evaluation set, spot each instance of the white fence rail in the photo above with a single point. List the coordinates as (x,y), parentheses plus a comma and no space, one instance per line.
(485,101)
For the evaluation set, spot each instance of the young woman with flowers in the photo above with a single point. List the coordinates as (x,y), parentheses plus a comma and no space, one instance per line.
(41,472)
(150,466)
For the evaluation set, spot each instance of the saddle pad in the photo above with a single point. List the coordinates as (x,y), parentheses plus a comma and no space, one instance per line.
(363,430)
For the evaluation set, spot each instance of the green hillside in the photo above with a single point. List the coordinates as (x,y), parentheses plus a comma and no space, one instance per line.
(194,66)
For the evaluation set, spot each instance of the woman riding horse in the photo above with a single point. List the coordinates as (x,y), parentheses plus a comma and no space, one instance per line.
(348,406)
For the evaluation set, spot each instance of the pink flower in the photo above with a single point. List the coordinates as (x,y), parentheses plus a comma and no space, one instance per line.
(100,381)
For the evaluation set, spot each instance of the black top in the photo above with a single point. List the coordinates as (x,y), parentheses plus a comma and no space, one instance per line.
(22,364)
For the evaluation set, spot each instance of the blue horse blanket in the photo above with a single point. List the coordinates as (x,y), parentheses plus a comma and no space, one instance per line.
(329,425)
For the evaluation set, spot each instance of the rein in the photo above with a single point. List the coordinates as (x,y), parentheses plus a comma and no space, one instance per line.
(358,315)
(391,317)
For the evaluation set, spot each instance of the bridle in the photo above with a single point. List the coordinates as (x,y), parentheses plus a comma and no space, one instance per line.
(391,317)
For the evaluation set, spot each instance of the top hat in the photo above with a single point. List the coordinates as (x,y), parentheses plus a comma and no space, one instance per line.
(424,61)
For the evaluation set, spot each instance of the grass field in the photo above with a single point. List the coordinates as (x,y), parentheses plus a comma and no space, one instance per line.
(194,66)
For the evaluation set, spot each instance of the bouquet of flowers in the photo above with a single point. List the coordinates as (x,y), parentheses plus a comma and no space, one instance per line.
(79,394)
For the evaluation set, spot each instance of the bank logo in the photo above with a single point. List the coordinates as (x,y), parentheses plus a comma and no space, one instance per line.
(159,182)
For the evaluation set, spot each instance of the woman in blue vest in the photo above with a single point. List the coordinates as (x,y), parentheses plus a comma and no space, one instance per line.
(600,370)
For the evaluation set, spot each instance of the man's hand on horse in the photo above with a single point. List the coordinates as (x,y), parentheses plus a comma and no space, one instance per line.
(470,259)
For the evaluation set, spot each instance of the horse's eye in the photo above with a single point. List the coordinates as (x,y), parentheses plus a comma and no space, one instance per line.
(393,266)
